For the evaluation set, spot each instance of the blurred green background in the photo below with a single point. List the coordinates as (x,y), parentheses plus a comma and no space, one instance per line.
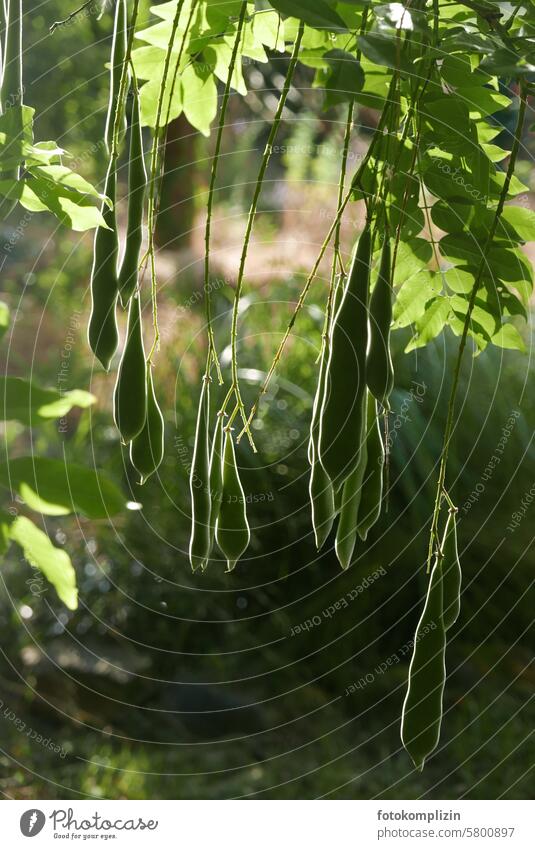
(168,685)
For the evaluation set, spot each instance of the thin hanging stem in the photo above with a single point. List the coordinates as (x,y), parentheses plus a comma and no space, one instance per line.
(212,352)
(150,255)
(337,233)
(304,292)
(250,222)
(118,116)
(70,17)
(448,431)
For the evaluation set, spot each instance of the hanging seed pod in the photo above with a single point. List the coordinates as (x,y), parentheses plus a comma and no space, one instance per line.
(118,53)
(147,448)
(451,572)
(422,709)
(232,532)
(103,334)
(372,487)
(345,377)
(320,487)
(199,546)
(130,397)
(216,476)
(137,184)
(379,368)
(346,533)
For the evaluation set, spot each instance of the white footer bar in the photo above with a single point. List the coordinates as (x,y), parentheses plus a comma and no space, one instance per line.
(268,824)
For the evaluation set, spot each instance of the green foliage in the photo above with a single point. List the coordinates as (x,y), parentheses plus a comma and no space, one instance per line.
(57,488)
(47,185)
(46,486)
(25,402)
(54,563)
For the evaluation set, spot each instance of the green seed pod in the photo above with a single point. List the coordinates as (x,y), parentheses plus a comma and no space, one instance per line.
(451,572)
(379,368)
(345,377)
(322,503)
(320,487)
(199,482)
(232,530)
(216,476)
(102,333)
(322,497)
(422,708)
(147,448)
(118,53)
(372,488)
(130,397)
(346,533)
(137,184)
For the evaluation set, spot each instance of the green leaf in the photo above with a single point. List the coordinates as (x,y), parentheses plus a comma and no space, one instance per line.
(38,194)
(456,71)
(27,403)
(345,79)
(56,487)
(509,337)
(413,255)
(482,101)
(505,63)
(5,525)
(62,176)
(54,563)
(317,14)
(522,220)
(4,318)
(199,97)
(413,297)
(383,50)
(430,324)
(268,29)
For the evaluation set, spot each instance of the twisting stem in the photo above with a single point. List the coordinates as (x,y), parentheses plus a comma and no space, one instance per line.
(250,222)
(433,539)
(355,182)
(212,352)
(70,17)
(118,116)
(151,222)
(337,233)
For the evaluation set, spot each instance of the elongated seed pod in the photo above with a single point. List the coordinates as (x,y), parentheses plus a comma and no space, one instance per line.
(147,448)
(451,571)
(372,487)
(379,368)
(422,709)
(130,396)
(345,377)
(346,532)
(137,184)
(118,53)
(232,531)
(11,89)
(216,476)
(199,482)
(103,335)
(320,487)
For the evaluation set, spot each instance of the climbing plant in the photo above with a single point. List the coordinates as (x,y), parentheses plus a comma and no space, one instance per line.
(441,246)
